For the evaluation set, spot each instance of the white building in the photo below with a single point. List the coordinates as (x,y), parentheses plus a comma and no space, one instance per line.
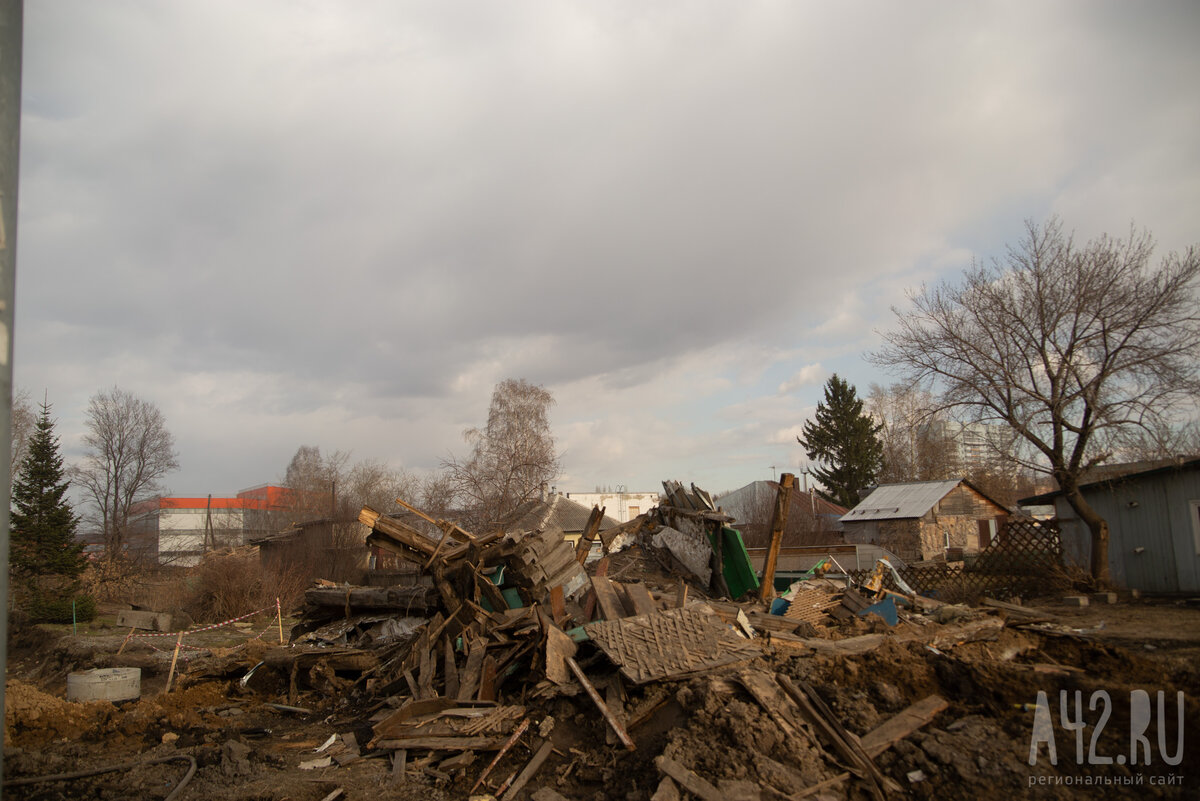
(976,445)
(621,506)
(179,531)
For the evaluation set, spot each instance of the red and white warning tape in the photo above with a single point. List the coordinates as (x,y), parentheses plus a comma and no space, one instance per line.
(204,628)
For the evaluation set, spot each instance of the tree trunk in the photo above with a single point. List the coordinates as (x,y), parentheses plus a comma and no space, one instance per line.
(1098,527)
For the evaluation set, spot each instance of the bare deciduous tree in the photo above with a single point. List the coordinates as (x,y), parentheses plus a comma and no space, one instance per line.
(24,421)
(314,480)
(333,487)
(1067,344)
(130,451)
(511,459)
(915,447)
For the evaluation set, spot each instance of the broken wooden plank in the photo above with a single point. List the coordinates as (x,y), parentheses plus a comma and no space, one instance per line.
(397,531)
(902,724)
(611,607)
(535,764)
(487,679)
(399,763)
(1020,611)
(442,743)
(846,744)
(427,673)
(783,503)
(688,779)
(509,743)
(584,546)
(681,588)
(558,608)
(449,670)
(615,703)
(599,702)
(469,678)
(640,599)
(559,646)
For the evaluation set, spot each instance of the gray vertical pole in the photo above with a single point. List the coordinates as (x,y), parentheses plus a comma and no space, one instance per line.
(12,17)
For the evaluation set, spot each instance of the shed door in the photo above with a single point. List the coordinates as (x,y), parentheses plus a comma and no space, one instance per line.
(985,533)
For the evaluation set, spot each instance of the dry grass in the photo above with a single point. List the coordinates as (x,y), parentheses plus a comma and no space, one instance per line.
(226,584)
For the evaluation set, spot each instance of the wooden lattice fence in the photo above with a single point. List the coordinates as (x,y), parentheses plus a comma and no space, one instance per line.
(1025,559)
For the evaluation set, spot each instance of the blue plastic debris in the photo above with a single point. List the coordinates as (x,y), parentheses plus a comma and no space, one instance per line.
(886,609)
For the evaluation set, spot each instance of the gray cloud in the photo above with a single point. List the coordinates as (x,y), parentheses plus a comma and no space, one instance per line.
(370,213)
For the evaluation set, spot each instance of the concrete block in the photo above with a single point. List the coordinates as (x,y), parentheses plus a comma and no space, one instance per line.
(1104,597)
(1075,600)
(144,619)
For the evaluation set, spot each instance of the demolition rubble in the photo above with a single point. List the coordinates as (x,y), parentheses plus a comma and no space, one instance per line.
(647,661)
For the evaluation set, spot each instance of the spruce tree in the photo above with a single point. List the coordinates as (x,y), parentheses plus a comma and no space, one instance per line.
(845,443)
(43,523)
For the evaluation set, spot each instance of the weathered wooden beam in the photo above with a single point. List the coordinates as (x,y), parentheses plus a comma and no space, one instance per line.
(589,534)
(442,743)
(535,764)
(449,670)
(688,779)
(622,735)
(606,596)
(396,530)
(469,679)
(418,599)
(846,744)
(902,724)
(783,502)
(640,599)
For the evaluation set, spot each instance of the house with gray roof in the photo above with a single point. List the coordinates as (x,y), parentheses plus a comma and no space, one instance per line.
(926,520)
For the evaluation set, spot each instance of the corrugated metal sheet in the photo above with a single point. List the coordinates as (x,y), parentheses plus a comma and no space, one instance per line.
(1152,539)
(900,501)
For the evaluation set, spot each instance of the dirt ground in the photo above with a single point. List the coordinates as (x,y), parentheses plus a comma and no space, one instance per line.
(978,747)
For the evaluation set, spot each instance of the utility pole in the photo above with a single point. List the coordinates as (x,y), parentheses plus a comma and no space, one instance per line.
(12,24)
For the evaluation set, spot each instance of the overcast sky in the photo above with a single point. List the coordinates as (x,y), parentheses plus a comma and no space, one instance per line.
(340,224)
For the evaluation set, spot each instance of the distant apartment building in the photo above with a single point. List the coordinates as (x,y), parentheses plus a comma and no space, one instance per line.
(179,531)
(975,445)
(621,506)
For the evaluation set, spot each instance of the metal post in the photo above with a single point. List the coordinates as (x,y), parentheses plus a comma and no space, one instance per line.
(12,23)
